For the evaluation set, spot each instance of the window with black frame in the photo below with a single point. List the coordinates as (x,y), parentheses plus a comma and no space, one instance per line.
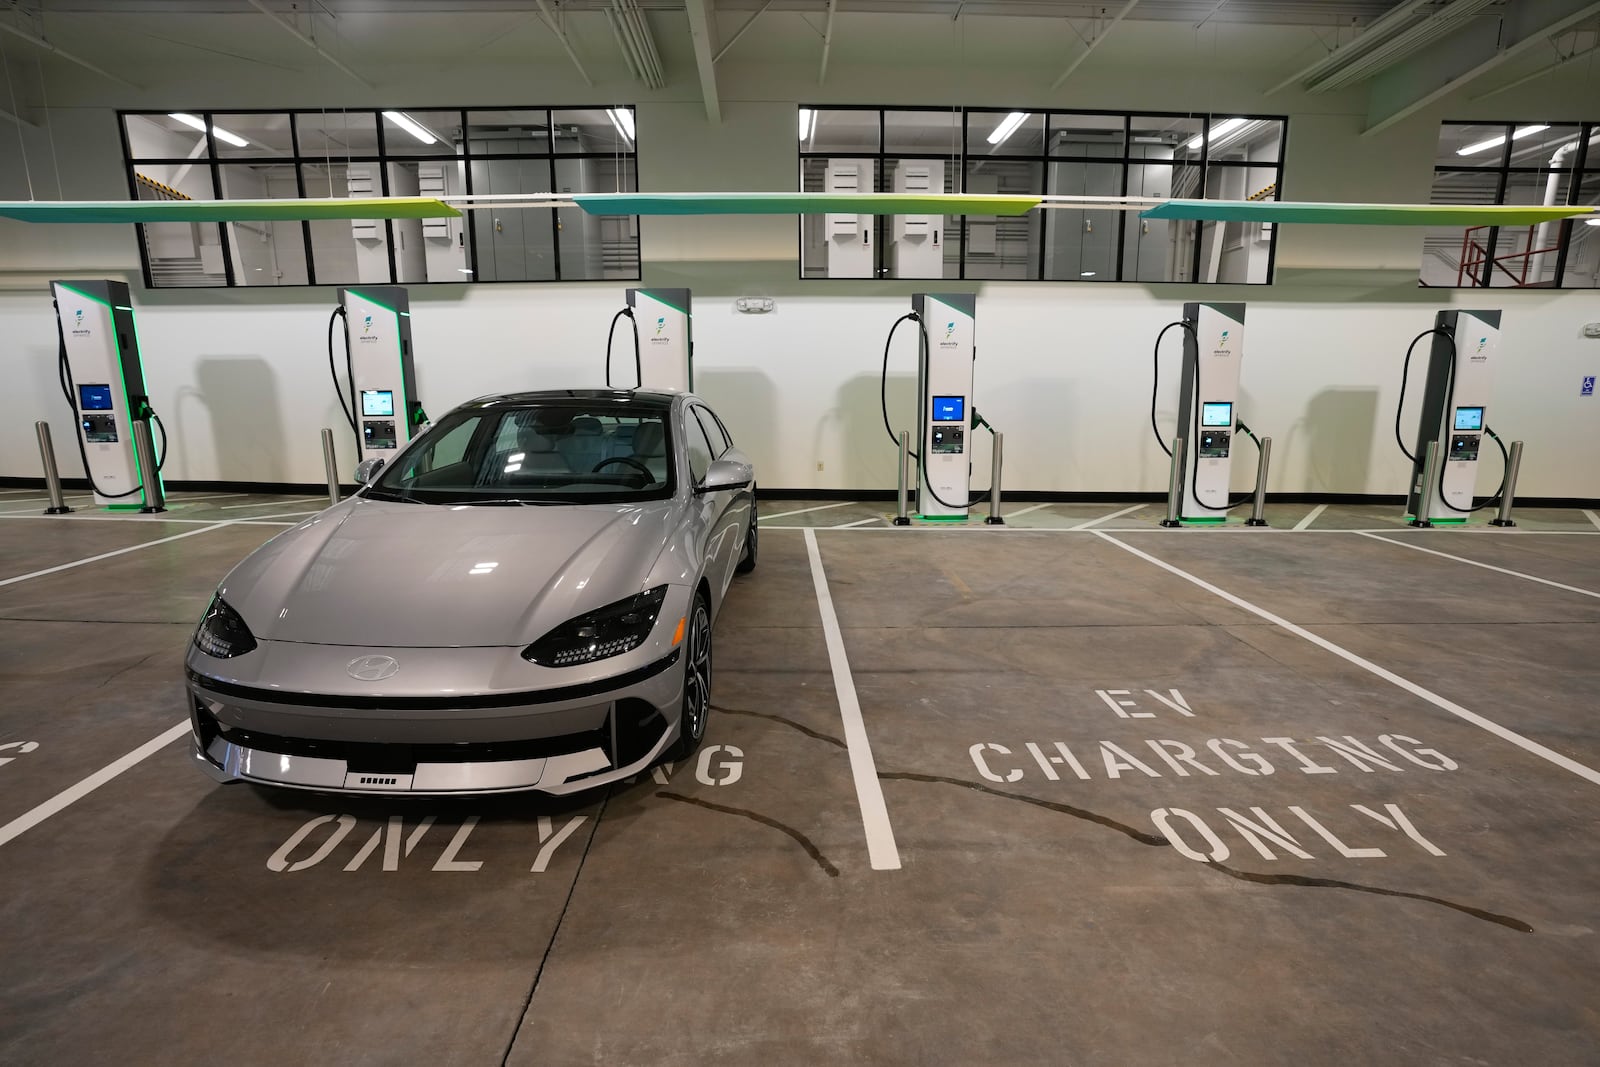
(1059,153)
(1534,163)
(373,153)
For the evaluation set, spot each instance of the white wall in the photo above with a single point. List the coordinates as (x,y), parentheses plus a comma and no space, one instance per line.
(1064,369)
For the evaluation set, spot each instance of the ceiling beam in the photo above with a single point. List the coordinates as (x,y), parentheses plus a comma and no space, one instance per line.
(827,43)
(308,42)
(1541,72)
(554,27)
(1452,63)
(1392,23)
(1090,47)
(17,119)
(701,26)
(40,42)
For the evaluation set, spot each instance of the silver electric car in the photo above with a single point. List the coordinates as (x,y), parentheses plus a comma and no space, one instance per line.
(522,599)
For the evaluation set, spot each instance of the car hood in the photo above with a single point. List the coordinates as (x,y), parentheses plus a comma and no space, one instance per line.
(380,574)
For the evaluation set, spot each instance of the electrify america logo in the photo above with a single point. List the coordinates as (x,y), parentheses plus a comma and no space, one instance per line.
(1478,354)
(661,325)
(367,336)
(1222,348)
(78,329)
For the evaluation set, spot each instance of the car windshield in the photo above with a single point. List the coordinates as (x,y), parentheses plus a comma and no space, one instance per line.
(562,452)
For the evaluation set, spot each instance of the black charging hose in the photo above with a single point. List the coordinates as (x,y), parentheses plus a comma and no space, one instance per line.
(1155,376)
(638,365)
(1405,372)
(333,372)
(883,402)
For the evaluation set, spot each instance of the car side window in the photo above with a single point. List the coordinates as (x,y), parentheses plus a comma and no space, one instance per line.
(726,436)
(698,448)
(708,423)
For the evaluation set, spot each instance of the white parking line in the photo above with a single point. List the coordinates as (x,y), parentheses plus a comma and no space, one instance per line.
(270,503)
(76,499)
(145,544)
(1485,566)
(72,794)
(1107,518)
(882,851)
(1592,517)
(802,511)
(1028,509)
(1311,516)
(858,522)
(1526,743)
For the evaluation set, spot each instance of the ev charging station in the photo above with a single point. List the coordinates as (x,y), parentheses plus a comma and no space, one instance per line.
(663,339)
(1456,394)
(944,397)
(384,410)
(1208,412)
(103,380)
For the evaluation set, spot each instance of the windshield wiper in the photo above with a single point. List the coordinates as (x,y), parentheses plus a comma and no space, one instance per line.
(378,494)
(507,502)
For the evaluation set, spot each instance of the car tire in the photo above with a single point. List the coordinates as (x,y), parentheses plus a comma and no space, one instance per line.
(696,707)
(747,562)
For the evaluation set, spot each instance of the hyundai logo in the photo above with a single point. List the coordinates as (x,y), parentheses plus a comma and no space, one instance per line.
(372,668)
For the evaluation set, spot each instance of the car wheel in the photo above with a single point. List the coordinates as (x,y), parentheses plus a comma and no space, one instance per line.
(747,562)
(696,681)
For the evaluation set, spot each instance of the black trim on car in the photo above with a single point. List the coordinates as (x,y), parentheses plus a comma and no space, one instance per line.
(440,703)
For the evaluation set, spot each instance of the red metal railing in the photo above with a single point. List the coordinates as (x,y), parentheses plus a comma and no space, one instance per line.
(1475,254)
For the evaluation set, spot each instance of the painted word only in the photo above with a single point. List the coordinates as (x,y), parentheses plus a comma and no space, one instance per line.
(1219,755)
(1196,839)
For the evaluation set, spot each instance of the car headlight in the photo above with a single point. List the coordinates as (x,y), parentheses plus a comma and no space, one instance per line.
(222,633)
(608,631)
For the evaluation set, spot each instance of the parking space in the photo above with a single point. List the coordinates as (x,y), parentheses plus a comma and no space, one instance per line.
(1135,813)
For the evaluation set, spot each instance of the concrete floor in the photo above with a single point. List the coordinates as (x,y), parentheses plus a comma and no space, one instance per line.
(1109,828)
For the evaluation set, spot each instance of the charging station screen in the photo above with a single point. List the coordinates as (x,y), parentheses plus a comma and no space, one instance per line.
(1469,418)
(94,397)
(949,409)
(377,402)
(1216,414)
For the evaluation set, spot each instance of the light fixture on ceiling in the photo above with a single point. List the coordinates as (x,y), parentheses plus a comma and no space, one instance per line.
(808,123)
(410,125)
(464,270)
(1007,127)
(622,119)
(1516,135)
(194,123)
(1591,222)
(1086,274)
(1226,126)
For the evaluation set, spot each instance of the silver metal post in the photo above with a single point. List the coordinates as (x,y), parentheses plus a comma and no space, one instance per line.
(1513,465)
(330,464)
(144,451)
(1262,462)
(1175,484)
(1430,471)
(52,474)
(900,516)
(994,518)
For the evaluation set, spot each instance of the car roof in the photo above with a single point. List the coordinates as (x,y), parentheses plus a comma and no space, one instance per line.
(653,399)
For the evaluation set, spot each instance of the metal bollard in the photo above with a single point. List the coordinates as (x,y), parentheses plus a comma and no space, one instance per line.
(330,464)
(1513,465)
(900,516)
(994,518)
(144,453)
(1430,471)
(1175,485)
(52,474)
(1262,462)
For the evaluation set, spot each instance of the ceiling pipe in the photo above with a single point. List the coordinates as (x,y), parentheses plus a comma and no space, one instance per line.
(1391,23)
(308,42)
(40,42)
(827,43)
(1090,47)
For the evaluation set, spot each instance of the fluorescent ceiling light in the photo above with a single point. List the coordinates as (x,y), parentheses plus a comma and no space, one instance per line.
(410,125)
(808,123)
(1007,127)
(221,134)
(1225,126)
(1086,274)
(622,119)
(1591,222)
(1516,135)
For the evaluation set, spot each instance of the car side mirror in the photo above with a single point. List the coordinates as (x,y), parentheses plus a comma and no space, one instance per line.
(726,474)
(367,470)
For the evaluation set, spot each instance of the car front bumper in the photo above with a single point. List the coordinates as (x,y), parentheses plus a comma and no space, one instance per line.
(552,741)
